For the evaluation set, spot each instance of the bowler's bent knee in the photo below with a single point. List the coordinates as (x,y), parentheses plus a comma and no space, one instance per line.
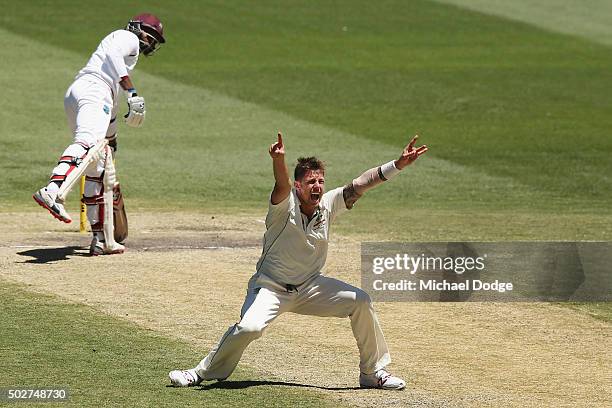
(251,331)
(362,298)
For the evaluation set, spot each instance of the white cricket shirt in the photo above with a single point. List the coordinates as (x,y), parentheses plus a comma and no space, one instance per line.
(295,249)
(115,57)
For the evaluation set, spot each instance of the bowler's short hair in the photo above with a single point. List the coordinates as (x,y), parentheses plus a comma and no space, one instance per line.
(304,164)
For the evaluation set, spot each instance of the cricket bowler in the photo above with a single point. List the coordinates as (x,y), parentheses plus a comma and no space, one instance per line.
(91,105)
(288,275)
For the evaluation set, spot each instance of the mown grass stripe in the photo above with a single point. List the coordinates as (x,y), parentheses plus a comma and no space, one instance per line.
(590,19)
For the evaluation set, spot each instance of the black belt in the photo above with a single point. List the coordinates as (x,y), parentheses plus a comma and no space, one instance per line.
(291,288)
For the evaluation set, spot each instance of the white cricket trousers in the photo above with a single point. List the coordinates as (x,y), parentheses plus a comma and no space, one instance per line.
(90,112)
(321,296)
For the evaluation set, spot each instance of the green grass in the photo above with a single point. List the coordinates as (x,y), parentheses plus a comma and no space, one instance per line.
(589,19)
(104,361)
(601,310)
(516,117)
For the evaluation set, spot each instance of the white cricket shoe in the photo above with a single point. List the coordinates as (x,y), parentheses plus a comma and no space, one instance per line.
(381,379)
(45,200)
(184,378)
(99,247)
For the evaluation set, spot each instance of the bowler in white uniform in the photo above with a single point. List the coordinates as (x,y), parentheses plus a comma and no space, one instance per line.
(288,276)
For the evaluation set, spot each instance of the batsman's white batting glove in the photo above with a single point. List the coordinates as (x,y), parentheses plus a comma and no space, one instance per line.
(136,111)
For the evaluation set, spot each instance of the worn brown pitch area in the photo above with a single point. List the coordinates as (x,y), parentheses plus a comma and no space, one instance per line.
(185,275)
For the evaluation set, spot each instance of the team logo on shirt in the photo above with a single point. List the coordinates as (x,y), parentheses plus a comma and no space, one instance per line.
(106,109)
(319,221)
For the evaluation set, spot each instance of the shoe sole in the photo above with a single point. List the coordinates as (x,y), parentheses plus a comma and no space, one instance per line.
(374,387)
(115,252)
(53,213)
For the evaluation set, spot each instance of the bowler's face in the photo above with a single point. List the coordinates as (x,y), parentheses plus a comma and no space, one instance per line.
(311,187)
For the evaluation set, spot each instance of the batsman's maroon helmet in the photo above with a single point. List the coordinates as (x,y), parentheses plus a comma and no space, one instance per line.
(152,27)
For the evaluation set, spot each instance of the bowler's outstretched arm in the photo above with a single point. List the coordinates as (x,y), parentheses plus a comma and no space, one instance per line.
(282,185)
(376,175)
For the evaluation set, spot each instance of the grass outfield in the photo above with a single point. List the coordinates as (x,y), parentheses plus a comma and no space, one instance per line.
(517,118)
(104,361)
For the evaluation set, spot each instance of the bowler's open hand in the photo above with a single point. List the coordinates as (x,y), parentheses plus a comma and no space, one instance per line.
(410,154)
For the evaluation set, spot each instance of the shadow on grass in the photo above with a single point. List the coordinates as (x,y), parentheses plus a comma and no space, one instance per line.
(235,385)
(46,255)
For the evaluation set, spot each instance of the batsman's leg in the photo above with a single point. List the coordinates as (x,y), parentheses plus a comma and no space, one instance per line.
(110,182)
(94,200)
(98,198)
(88,120)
